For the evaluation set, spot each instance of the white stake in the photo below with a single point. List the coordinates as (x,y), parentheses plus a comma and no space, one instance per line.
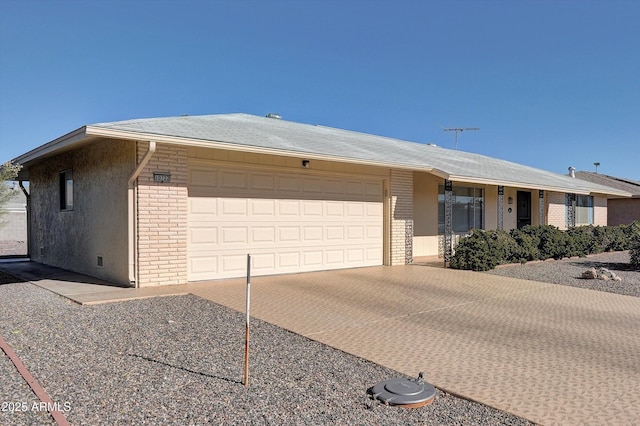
(246,344)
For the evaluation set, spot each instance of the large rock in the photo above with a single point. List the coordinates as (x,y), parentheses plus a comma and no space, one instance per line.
(606,274)
(590,274)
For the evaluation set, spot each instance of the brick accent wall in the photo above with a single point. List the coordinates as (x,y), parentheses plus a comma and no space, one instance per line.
(600,211)
(401,217)
(556,209)
(162,218)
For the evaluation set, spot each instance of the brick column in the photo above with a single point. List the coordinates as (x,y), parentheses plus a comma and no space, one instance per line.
(401,217)
(162,218)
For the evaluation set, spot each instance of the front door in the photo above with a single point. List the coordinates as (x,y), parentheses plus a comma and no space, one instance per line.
(524,208)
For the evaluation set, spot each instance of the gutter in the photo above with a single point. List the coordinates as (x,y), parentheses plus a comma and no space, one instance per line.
(131,212)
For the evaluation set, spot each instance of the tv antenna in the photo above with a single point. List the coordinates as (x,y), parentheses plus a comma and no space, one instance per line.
(459,130)
(596,164)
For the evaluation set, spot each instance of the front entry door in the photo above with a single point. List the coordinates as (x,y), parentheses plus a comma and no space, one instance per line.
(524,208)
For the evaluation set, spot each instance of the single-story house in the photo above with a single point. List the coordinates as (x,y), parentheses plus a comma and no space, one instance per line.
(620,210)
(161,201)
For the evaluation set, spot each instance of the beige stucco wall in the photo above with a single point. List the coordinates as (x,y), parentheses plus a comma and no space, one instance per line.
(402,217)
(97,225)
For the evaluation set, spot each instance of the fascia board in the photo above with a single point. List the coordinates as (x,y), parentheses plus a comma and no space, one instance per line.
(174,140)
(55,145)
(484,181)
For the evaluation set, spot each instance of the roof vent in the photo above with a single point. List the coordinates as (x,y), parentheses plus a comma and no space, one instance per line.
(572,172)
(274,115)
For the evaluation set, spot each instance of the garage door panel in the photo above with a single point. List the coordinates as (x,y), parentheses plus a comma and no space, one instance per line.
(231,235)
(288,207)
(263,182)
(233,207)
(232,179)
(287,222)
(262,207)
(203,236)
(288,234)
(263,234)
(289,260)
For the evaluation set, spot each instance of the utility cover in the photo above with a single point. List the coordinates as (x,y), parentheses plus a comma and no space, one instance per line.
(409,393)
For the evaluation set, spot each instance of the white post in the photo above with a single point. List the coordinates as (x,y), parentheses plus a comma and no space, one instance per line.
(246,344)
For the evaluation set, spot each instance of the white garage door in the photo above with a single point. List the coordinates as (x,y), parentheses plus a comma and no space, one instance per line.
(288,222)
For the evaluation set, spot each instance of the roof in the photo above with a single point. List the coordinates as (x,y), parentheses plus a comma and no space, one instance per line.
(622,184)
(243,132)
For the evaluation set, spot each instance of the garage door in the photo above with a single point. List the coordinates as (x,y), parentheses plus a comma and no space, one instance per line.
(288,221)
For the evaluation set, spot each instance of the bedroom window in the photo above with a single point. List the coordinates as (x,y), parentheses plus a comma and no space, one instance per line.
(66,190)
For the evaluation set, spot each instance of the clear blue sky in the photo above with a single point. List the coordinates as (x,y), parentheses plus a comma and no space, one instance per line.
(550,84)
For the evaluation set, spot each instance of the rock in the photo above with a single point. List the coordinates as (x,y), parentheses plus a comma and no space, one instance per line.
(590,274)
(606,275)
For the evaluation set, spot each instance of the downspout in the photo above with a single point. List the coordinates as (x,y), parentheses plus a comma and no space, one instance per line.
(131,210)
(28,196)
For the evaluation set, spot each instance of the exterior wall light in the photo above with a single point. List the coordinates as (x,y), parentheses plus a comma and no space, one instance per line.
(305,164)
(510,200)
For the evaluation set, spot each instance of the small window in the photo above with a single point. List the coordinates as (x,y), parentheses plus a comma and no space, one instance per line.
(66,190)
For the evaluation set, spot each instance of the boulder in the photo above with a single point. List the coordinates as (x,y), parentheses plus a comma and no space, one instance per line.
(590,274)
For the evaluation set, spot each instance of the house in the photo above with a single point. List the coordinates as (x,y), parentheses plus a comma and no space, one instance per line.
(620,210)
(13,224)
(160,201)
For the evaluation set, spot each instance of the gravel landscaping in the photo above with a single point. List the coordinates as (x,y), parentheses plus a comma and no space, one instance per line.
(179,360)
(569,272)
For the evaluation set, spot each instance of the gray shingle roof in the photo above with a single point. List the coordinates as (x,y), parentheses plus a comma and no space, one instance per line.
(289,137)
(614,182)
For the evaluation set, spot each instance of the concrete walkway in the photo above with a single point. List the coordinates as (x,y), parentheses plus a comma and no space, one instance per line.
(549,353)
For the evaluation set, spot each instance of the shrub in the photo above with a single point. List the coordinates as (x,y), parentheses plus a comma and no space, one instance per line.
(527,245)
(634,253)
(474,252)
(484,250)
(580,241)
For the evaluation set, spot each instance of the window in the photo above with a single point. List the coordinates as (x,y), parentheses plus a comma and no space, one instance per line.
(584,210)
(66,190)
(468,204)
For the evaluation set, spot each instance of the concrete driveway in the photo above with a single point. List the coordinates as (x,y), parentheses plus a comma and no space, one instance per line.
(549,353)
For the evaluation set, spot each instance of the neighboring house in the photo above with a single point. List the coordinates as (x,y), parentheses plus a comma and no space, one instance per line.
(169,200)
(13,224)
(620,210)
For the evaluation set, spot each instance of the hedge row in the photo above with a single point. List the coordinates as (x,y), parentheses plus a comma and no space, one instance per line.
(484,250)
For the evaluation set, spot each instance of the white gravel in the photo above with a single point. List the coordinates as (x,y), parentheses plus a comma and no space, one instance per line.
(179,360)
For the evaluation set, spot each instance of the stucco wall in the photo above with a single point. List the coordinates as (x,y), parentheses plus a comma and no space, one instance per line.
(622,211)
(97,225)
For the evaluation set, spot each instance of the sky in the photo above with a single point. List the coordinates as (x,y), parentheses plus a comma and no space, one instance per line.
(550,84)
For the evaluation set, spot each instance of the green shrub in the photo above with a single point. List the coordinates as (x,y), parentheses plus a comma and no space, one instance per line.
(474,252)
(527,244)
(484,250)
(580,241)
(634,253)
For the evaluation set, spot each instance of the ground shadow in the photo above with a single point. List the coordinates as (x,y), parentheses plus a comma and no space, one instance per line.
(612,266)
(185,369)
(6,278)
